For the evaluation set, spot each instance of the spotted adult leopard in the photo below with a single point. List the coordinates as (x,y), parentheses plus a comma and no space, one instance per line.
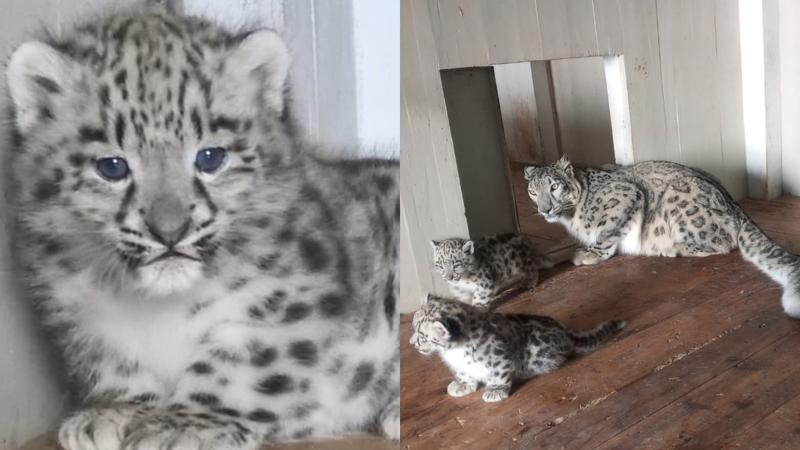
(210,280)
(656,208)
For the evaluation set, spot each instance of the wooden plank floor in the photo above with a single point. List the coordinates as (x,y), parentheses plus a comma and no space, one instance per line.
(708,361)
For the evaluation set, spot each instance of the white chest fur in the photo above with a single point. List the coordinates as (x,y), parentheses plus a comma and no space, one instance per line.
(463,285)
(158,334)
(631,243)
(460,362)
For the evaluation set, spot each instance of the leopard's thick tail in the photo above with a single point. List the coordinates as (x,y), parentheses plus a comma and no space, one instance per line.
(588,341)
(774,260)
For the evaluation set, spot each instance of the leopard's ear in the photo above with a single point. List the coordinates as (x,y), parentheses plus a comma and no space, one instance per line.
(440,331)
(435,244)
(447,328)
(529,172)
(468,248)
(262,55)
(564,165)
(38,76)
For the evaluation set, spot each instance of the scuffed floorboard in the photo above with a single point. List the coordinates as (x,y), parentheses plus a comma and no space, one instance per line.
(708,360)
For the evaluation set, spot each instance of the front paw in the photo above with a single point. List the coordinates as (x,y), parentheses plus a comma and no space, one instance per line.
(584,257)
(390,422)
(495,395)
(201,431)
(459,389)
(95,429)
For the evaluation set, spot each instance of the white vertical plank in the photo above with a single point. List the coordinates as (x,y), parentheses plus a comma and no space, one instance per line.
(751,20)
(772,97)
(790,95)
(619,112)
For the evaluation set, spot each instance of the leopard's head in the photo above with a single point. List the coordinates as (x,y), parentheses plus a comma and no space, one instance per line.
(554,188)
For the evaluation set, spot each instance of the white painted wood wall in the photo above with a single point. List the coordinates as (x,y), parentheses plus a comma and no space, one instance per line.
(678,81)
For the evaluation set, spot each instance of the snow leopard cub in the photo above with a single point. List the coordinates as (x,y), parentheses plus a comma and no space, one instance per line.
(479,270)
(656,208)
(486,347)
(211,282)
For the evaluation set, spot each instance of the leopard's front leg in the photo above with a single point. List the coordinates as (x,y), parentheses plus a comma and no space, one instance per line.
(609,221)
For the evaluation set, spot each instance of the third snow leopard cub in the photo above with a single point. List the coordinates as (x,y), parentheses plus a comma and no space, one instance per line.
(479,270)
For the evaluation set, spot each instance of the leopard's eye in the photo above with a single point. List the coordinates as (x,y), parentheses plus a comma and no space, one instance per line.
(209,160)
(554,187)
(113,168)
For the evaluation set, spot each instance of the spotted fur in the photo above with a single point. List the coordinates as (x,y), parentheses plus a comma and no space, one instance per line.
(483,347)
(253,304)
(479,270)
(656,208)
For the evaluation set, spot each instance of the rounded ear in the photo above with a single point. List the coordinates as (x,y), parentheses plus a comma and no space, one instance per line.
(447,328)
(468,247)
(529,171)
(564,165)
(440,331)
(263,55)
(37,73)
(435,244)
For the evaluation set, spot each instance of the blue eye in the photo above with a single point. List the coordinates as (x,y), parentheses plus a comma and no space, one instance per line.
(113,169)
(209,160)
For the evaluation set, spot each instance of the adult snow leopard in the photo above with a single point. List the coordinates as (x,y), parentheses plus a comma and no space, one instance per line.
(211,282)
(656,208)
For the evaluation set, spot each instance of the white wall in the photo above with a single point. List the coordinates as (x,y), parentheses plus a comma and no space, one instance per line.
(377,43)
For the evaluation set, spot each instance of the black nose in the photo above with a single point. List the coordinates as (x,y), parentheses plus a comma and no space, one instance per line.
(168,235)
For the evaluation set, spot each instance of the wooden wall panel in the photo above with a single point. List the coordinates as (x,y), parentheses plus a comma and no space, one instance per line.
(581,99)
(479,145)
(429,184)
(701,84)
(521,124)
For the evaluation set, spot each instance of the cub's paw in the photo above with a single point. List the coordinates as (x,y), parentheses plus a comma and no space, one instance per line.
(390,421)
(585,258)
(186,431)
(495,395)
(459,389)
(95,429)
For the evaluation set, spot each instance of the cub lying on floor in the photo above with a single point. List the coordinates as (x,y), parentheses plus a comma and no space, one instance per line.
(480,346)
(656,208)
(477,271)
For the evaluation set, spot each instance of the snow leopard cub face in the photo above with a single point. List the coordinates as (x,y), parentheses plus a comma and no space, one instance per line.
(454,259)
(553,188)
(437,325)
(140,152)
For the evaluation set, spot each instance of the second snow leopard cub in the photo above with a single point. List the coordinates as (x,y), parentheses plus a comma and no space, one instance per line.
(483,347)
(212,283)
(656,208)
(479,270)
